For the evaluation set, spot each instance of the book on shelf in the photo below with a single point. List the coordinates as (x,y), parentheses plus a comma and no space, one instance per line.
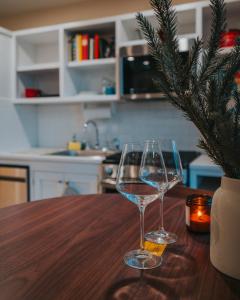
(79,47)
(72,48)
(96,46)
(82,46)
(91,48)
(85,46)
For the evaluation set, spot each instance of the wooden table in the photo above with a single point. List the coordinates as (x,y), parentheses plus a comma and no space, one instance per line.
(73,247)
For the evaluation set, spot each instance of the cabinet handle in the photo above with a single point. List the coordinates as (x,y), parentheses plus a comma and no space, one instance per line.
(60,181)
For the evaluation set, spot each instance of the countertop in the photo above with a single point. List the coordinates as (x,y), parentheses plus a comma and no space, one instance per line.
(44,154)
(204,162)
(73,248)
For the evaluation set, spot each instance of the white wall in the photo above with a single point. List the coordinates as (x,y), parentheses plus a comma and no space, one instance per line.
(12,133)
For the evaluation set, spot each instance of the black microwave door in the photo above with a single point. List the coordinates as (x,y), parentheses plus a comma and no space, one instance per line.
(137,75)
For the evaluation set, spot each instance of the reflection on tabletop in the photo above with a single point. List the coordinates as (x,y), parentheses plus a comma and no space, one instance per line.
(176,270)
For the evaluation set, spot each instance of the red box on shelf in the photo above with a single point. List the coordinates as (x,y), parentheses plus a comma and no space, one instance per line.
(229,38)
(31,93)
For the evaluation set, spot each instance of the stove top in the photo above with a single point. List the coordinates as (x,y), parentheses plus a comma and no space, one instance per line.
(186,157)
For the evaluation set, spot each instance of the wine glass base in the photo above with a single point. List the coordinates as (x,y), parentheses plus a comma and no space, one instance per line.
(161,237)
(142,259)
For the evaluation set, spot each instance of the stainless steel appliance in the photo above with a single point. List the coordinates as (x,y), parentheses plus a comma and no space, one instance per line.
(137,71)
(109,173)
(14,185)
(110,166)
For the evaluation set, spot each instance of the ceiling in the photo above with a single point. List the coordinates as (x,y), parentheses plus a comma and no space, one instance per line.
(15,7)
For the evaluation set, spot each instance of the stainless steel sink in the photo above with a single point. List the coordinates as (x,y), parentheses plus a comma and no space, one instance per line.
(83,153)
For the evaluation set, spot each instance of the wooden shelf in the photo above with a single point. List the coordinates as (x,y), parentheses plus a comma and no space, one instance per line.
(92,63)
(67,100)
(38,67)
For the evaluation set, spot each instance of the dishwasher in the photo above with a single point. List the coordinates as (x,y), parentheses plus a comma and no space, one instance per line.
(14,185)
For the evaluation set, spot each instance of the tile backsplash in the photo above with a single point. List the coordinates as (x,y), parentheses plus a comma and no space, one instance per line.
(154,119)
(129,121)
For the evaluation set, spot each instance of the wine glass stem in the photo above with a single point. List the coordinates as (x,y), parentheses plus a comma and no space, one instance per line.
(142,209)
(161,228)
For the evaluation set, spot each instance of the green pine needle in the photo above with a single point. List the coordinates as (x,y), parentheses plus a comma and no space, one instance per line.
(209,101)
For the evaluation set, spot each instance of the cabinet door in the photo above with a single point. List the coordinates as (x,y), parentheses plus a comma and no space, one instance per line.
(48,185)
(51,184)
(81,184)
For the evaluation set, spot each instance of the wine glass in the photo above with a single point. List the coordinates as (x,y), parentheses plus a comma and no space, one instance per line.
(130,185)
(174,175)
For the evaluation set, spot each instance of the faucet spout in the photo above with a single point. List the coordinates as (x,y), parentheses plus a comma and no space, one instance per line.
(97,144)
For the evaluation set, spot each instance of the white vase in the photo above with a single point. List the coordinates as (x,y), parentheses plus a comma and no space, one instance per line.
(225,228)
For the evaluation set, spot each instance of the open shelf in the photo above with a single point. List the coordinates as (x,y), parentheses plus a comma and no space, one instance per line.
(101,62)
(38,67)
(133,43)
(86,78)
(226,50)
(233,20)
(37,48)
(47,81)
(130,34)
(66,100)
(81,42)
(188,36)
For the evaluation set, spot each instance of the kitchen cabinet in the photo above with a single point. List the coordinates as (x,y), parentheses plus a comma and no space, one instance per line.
(56,184)
(50,176)
(47,185)
(42,59)
(204,173)
(50,184)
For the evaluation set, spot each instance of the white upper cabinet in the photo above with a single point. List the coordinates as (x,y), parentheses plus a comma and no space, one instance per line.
(89,60)
(37,49)
(233,20)
(37,63)
(51,59)
(5,63)
(129,33)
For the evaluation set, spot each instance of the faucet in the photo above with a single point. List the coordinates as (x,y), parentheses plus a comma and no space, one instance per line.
(96,130)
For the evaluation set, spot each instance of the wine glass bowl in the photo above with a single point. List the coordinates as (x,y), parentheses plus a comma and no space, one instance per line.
(153,171)
(173,170)
(172,161)
(130,185)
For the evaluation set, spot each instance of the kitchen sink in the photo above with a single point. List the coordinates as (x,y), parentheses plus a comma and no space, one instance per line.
(91,152)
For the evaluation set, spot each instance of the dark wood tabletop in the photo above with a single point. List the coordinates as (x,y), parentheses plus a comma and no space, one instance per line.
(73,248)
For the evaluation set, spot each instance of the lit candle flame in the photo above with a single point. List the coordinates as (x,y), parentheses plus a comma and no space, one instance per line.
(199,213)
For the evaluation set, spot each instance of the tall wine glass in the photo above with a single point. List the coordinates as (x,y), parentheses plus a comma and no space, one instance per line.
(138,192)
(174,175)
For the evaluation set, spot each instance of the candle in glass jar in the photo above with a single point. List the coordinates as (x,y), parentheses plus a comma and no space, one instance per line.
(198,213)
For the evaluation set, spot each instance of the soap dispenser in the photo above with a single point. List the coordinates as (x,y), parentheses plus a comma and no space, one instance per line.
(74,145)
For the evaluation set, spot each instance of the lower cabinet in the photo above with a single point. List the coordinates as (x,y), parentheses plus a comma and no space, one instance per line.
(51,184)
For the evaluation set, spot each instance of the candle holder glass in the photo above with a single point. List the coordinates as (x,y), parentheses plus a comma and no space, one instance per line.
(198,209)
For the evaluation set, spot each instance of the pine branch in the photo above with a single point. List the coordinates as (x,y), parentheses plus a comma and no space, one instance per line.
(217,27)
(230,70)
(210,84)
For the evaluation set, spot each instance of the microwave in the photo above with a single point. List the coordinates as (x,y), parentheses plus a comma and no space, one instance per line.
(137,72)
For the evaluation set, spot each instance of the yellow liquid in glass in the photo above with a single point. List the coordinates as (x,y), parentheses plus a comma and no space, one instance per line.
(156,249)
